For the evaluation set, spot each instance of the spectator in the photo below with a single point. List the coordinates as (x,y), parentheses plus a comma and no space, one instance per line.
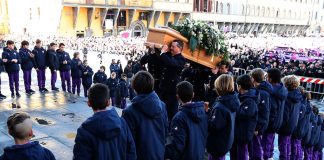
(100,76)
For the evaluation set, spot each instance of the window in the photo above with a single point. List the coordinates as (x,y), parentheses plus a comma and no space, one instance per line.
(315,15)
(258,11)
(221,8)
(228,8)
(243,11)
(121,18)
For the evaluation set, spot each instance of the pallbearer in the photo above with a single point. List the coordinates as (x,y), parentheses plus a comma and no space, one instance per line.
(11,60)
(65,67)
(76,72)
(54,64)
(27,64)
(40,65)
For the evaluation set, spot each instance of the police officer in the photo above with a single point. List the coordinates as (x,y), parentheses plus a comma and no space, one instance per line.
(173,63)
(151,58)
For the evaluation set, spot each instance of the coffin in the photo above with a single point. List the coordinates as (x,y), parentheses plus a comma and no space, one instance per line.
(160,36)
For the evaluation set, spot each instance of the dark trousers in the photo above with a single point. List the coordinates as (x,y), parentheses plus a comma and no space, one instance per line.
(27,80)
(53,78)
(86,88)
(66,76)
(41,78)
(268,145)
(210,157)
(239,151)
(14,78)
(171,102)
(76,83)
(255,148)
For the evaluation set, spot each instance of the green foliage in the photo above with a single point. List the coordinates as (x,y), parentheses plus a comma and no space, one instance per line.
(203,36)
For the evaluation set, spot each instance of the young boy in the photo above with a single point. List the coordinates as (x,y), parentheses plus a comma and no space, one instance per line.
(246,117)
(277,103)
(76,72)
(27,64)
(264,88)
(54,64)
(86,77)
(291,115)
(147,118)
(104,135)
(65,67)
(112,83)
(121,92)
(188,127)
(20,128)
(40,65)
(100,76)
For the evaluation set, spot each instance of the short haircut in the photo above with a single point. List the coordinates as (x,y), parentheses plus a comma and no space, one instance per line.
(179,43)
(61,44)
(224,62)
(258,75)
(305,93)
(224,84)
(75,54)
(103,67)
(10,42)
(52,44)
(99,96)
(143,82)
(38,41)
(185,91)
(113,74)
(123,75)
(275,75)
(245,82)
(291,82)
(19,125)
(315,110)
(24,43)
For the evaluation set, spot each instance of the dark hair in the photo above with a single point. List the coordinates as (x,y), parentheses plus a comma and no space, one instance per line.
(99,96)
(245,82)
(185,91)
(15,119)
(315,110)
(24,43)
(275,75)
(258,75)
(38,41)
(143,82)
(103,67)
(123,75)
(52,44)
(179,43)
(75,54)
(61,44)
(223,62)
(10,42)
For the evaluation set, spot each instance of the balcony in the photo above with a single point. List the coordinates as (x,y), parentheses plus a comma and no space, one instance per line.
(130,3)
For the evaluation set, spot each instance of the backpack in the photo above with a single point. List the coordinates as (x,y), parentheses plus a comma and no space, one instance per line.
(220,150)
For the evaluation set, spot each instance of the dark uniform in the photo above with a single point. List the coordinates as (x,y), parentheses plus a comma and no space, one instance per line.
(65,70)
(154,67)
(172,67)
(54,65)
(40,64)
(86,79)
(12,69)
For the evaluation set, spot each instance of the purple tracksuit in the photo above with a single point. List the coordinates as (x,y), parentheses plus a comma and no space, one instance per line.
(27,79)
(12,68)
(76,73)
(41,78)
(296,149)
(14,79)
(308,153)
(66,76)
(27,63)
(53,64)
(210,157)
(40,63)
(65,69)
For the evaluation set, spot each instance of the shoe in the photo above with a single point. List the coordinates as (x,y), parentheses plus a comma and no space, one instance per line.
(18,95)
(28,93)
(42,90)
(2,96)
(55,89)
(31,91)
(12,95)
(45,89)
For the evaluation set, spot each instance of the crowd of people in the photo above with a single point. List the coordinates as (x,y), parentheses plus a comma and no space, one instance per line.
(178,110)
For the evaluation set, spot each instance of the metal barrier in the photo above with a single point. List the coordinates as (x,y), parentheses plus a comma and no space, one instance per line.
(313,85)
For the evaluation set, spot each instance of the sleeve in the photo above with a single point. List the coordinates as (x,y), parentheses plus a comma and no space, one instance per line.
(24,58)
(35,60)
(90,72)
(172,62)
(5,56)
(130,121)
(131,148)
(68,59)
(73,65)
(49,154)
(82,149)
(144,59)
(95,78)
(179,136)
(217,120)
(248,109)
(19,59)
(51,60)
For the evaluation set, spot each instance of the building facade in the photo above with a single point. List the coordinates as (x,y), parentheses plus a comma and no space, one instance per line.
(109,17)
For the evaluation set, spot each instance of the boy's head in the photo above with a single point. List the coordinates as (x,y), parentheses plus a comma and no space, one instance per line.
(274,75)
(24,44)
(257,75)
(62,46)
(291,82)
(10,44)
(244,82)
(305,93)
(113,75)
(98,98)
(76,55)
(224,84)
(102,69)
(85,62)
(20,126)
(38,43)
(123,76)
(185,91)
(53,46)
(143,82)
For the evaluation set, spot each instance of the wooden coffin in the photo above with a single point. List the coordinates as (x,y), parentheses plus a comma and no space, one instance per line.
(160,36)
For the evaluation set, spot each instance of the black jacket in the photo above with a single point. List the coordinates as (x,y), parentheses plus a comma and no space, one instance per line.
(11,67)
(27,63)
(87,78)
(76,68)
(53,61)
(40,58)
(64,56)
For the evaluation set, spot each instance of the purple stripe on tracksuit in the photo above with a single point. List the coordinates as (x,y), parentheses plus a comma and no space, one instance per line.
(66,76)
(268,145)
(239,151)
(255,148)
(41,78)
(210,157)
(284,147)
(296,149)
(308,153)
(53,78)
(27,79)
(14,78)
(76,83)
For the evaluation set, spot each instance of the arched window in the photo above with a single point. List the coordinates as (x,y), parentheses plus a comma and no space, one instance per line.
(228,8)
(258,11)
(243,11)
(273,12)
(289,14)
(252,11)
(268,12)
(216,7)
(248,10)
(283,14)
(221,8)
(262,12)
